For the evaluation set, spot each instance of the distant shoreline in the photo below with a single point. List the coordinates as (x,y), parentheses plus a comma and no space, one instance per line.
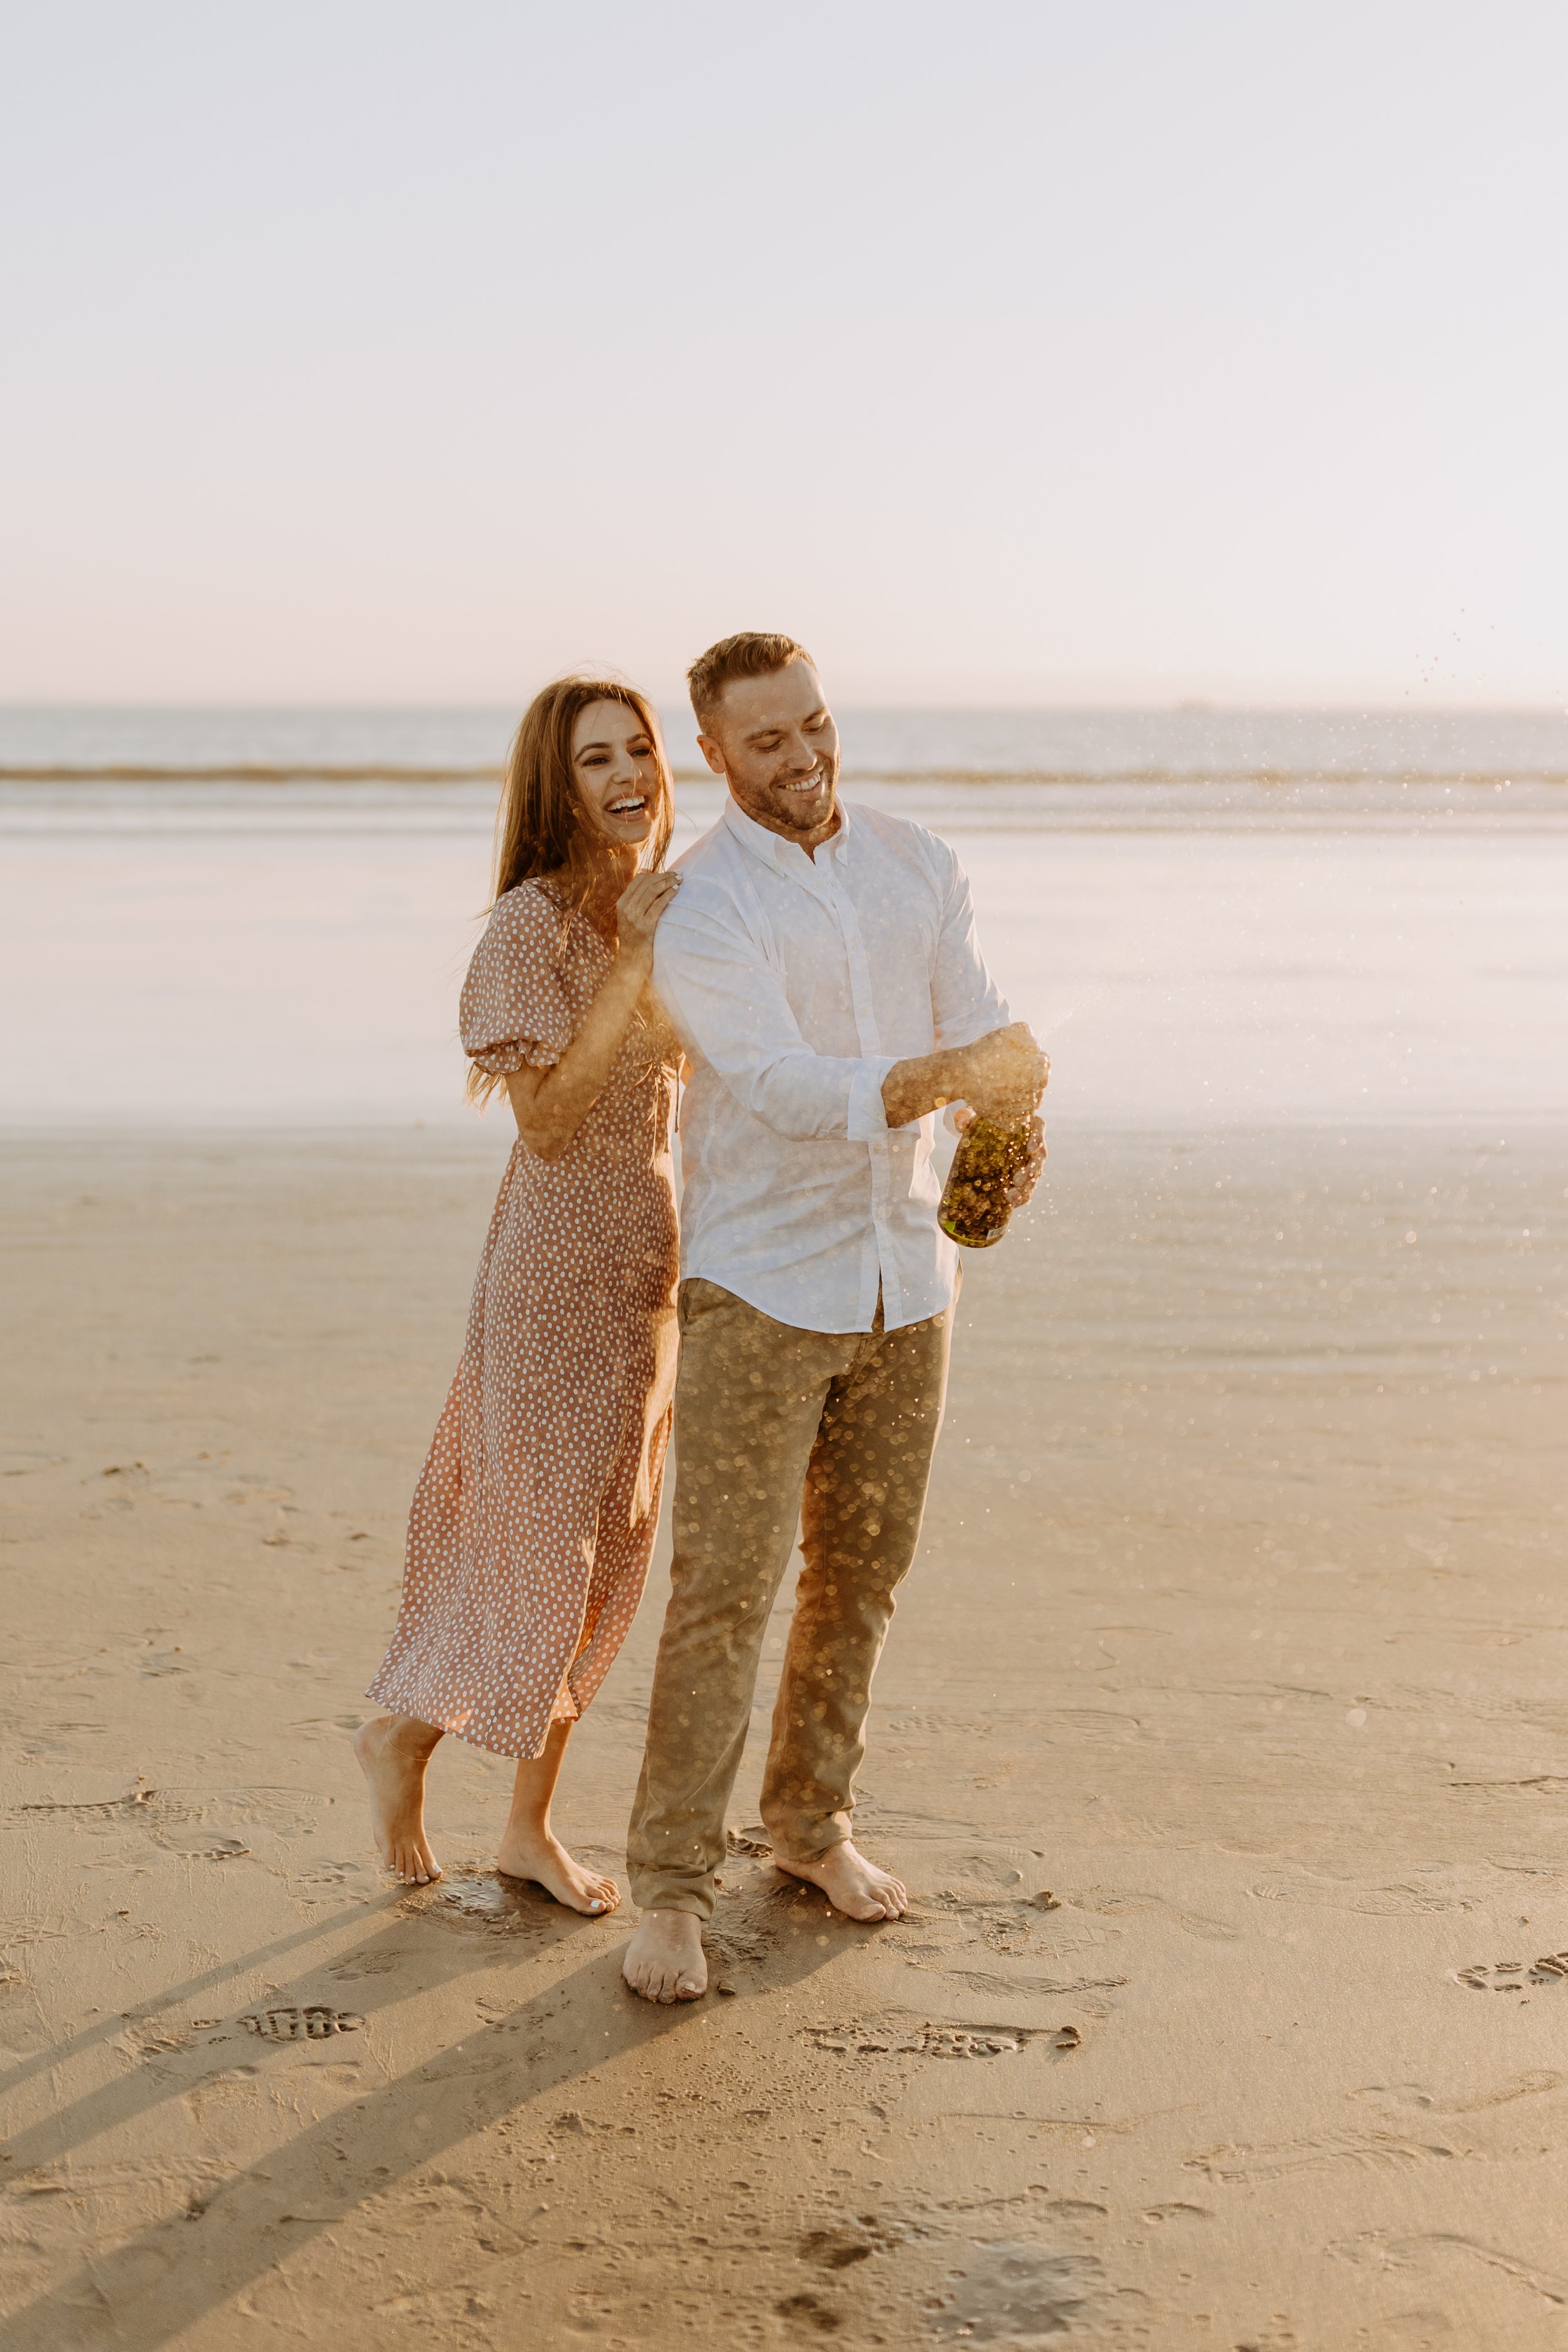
(392,772)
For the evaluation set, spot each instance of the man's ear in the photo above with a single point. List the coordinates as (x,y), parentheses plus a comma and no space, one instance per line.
(711,753)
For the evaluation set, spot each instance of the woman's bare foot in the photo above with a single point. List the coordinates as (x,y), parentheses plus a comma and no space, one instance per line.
(851,1883)
(665,1959)
(528,1851)
(529,1846)
(393,1752)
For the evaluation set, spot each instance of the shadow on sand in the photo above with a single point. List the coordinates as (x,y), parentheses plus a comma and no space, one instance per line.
(147,2292)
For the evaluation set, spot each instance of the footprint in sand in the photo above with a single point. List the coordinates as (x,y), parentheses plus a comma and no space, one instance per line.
(159,2038)
(311,2024)
(834,2250)
(736,1946)
(354,1965)
(930,2041)
(923,2042)
(1515,1975)
(98,1805)
(958,2042)
(807,2311)
(487,1901)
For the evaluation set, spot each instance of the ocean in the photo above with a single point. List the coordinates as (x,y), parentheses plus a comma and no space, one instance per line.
(230,917)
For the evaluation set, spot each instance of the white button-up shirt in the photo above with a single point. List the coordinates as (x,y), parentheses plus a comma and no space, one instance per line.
(795,985)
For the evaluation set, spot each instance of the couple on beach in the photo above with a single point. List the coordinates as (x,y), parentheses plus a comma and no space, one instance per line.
(814,974)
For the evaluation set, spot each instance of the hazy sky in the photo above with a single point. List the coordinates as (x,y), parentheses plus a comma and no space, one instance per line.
(1006,352)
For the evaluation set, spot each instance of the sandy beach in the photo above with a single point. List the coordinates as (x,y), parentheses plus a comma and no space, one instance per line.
(1222,1737)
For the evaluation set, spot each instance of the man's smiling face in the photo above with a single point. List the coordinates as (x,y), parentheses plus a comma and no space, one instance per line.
(774,741)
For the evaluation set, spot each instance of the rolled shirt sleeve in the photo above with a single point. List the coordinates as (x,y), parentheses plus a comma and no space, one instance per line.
(867,1116)
(728,1004)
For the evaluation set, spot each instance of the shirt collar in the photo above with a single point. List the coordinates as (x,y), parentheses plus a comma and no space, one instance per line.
(783,856)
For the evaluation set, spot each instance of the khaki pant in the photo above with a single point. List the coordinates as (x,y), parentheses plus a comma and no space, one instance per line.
(775,1426)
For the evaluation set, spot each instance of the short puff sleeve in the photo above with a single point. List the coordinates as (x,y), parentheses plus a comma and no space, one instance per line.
(514,1014)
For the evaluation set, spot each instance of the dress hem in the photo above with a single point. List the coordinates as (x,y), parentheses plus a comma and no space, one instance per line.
(462,1731)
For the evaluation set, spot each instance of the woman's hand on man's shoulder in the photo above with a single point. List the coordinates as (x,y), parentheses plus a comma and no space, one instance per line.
(638,910)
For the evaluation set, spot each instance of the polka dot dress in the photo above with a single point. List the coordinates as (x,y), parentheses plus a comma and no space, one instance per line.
(532,1523)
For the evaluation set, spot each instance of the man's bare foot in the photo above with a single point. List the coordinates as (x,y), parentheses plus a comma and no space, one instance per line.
(665,1959)
(539,1854)
(393,1754)
(851,1883)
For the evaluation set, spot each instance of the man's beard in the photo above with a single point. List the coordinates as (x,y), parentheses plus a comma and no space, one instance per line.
(789,811)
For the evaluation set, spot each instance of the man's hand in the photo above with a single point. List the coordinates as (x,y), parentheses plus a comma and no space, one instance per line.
(1029,1174)
(1002,1075)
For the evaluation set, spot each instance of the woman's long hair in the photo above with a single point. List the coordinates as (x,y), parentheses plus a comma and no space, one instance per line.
(540,826)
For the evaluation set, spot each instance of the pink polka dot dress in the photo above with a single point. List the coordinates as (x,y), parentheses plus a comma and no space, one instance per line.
(532,1523)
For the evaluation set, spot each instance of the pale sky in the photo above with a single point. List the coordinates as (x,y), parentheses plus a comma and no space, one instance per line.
(1007,353)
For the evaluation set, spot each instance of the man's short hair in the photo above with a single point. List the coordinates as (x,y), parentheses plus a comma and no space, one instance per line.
(754,653)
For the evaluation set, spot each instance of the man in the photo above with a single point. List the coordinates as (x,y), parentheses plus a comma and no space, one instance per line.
(821,969)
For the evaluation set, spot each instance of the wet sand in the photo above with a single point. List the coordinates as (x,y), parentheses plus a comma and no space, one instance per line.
(1223,1738)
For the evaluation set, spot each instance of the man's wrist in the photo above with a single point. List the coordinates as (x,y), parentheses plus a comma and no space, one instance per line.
(949,1077)
(923,1083)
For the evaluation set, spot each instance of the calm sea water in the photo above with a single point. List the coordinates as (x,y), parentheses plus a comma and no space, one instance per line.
(263,915)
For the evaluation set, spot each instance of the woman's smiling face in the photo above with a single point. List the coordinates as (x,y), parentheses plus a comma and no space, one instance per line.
(615,772)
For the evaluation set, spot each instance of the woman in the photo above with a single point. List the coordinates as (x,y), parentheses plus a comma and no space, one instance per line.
(531,1525)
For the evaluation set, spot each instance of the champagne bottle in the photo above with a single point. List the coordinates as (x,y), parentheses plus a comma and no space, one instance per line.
(974,1205)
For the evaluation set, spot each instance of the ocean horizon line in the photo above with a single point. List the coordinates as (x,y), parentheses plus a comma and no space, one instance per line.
(398,773)
(1170,707)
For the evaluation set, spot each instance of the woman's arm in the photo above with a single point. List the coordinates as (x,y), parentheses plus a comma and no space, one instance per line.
(549,1106)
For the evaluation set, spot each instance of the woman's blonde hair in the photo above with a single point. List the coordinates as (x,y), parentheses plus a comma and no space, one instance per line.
(540,827)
